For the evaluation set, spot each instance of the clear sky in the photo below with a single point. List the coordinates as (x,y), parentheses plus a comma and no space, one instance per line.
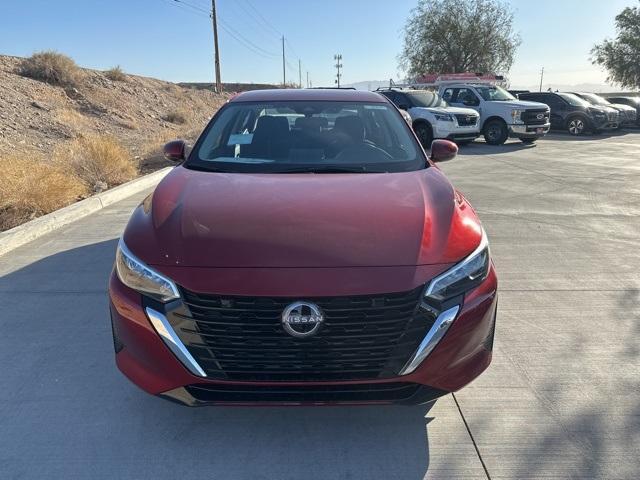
(161,39)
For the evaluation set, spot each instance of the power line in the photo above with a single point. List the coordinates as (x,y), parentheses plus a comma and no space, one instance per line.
(248,44)
(293,50)
(264,20)
(256,19)
(193,7)
(265,52)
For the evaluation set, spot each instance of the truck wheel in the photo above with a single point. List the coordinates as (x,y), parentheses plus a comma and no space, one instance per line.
(495,132)
(424,133)
(576,126)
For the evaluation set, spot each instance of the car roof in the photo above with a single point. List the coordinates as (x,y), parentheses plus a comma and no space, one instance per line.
(311,94)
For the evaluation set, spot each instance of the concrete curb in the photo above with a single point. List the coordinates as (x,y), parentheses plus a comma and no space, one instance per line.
(29,231)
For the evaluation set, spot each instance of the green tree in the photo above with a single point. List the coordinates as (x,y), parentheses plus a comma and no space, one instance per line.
(454,36)
(621,57)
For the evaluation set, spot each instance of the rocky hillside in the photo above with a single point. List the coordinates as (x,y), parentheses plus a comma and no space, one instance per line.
(141,113)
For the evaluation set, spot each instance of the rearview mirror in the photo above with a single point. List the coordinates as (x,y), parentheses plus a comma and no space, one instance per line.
(443,150)
(175,150)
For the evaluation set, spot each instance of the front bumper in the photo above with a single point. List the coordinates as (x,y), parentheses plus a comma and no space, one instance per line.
(529,131)
(452,131)
(454,361)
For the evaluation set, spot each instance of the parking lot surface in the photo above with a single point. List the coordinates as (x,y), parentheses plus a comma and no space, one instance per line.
(561,399)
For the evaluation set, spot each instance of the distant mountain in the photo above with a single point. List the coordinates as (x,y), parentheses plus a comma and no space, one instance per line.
(580,87)
(368,84)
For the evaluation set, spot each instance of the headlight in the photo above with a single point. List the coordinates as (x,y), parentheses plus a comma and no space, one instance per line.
(516,116)
(467,274)
(138,276)
(443,117)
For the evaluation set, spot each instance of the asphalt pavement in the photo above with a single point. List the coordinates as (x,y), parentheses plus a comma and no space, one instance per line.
(561,399)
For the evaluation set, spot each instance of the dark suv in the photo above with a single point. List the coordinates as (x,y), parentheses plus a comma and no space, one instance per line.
(572,113)
(629,101)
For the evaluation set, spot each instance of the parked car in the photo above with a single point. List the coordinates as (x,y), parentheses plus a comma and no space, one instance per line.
(501,114)
(305,251)
(633,102)
(433,118)
(626,114)
(572,113)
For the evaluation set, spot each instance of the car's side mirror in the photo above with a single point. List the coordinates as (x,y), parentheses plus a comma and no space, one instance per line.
(403,106)
(175,150)
(443,150)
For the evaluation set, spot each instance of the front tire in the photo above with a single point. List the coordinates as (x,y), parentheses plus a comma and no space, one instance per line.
(424,133)
(576,126)
(495,132)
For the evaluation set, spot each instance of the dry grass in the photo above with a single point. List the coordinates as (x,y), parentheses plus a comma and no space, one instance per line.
(73,119)
(179,117)
(116,74)
(30,187)
(99,161)
(53,68)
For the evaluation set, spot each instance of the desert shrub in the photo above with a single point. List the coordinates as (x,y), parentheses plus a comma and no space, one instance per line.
(116,74)
(30,187)
(178,117)
(52,67)
(98,160)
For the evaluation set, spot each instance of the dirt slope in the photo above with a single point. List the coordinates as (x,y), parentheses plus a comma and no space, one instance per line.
(38,116)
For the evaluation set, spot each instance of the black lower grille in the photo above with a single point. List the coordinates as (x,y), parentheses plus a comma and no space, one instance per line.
(380,392)
(535,117)
(465,120)
(362,337)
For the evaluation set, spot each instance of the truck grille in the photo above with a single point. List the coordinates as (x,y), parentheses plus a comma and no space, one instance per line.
(362,337)
(466,120)
(535,117)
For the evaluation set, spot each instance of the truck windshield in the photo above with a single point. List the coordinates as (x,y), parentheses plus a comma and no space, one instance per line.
(307,136)
(493,93)
(573,100)
(426,99)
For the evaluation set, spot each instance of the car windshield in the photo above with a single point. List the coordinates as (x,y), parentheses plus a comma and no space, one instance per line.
(307,136)
(494,93)
(594,99)
(423,98)
(574,100)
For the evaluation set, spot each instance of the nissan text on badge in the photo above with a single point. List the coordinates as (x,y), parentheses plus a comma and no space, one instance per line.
(304,251)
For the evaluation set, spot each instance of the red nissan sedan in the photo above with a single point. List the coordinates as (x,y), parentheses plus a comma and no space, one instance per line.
(305,251)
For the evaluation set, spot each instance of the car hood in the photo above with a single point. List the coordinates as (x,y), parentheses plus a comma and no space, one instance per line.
(458,110)
(622,108)
(205,219)
(520,104)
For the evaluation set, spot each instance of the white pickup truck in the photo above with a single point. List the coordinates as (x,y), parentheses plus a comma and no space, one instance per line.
(501,114)
(432,118)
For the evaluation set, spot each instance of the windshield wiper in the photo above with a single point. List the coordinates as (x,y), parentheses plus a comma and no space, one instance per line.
(329,169)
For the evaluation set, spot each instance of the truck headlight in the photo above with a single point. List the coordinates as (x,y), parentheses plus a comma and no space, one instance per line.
(516,116)
(464,276)
(138,276)
(443,117)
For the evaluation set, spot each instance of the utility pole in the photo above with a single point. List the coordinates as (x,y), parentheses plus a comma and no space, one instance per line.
(541,77)
(218,84)
(338,58)
(299,74)
(284,72)
(307,78)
